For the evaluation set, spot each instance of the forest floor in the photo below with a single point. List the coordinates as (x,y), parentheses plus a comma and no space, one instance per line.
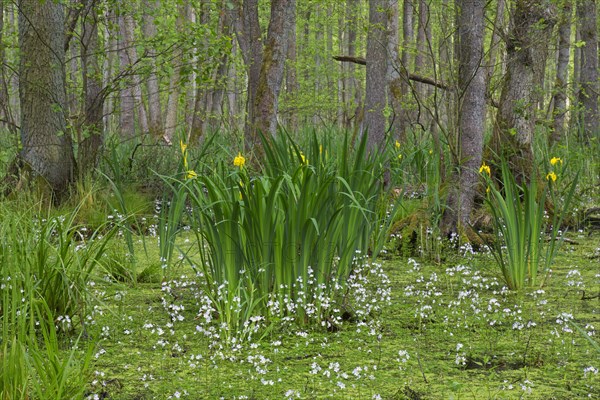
(447,330)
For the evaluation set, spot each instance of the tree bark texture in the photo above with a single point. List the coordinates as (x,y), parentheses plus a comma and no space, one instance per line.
(588,79)
(394,70)
(174,84)
(155,126)
(131,95)
(92,128)
(354,86)
(375,102)
(559,100)
(271,73)
(495,41)
(4,108)
(526,51)
(249,39)
(127,101)
(291,76)
(46,145)
(472,87)
(423,51)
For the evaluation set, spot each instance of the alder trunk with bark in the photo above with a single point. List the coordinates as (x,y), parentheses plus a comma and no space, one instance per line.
(526,53)
(408,35)
(47,147)
(91,131)
(174,83)
(291,75)
(155,126)
(266,103)
(354,86)
(249,38)
(559,99)
(588,70)
(472,86)
(131,95)
(376,83)
(394,77)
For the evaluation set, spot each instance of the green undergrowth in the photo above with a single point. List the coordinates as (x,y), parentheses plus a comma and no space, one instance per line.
(447,331)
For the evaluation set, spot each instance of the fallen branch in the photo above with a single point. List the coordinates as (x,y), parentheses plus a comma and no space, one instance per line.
(412,77)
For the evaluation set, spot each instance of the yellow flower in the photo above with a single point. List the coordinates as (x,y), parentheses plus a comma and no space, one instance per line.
(555,160)
(239,160)
(320,149)
(399,156)
(191,174)
(552,176)
(303,159)
(430,151)
(183,147)
(485,168)
(487,189)
(397,144)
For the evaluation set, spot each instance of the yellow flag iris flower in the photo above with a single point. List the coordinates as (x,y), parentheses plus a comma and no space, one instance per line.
(239,160)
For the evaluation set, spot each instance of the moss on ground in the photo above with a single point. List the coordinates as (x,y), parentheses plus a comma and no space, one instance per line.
(450,331)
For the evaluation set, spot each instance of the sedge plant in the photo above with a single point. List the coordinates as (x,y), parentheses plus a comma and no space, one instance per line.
(525,239)
(45,270)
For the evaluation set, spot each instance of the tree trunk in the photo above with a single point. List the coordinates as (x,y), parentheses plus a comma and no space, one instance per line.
(46,143)
(318,59)
(292,85)
(423,40)
(408,37)
(174,84)
(218,92)
(232,91)
(127,102)
(107,71)
(131,96)
(200,95)
(559,108)
(5,116)
(271,72)
(588,79)
(377,39)
(394,70)
(155,126)
(472,86)
(495,41)
(92,127)
(526,50)
(247,27)
(354,86)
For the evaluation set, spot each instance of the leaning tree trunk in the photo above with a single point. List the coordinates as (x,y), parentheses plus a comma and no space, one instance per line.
(271,73)
(472,86)
(89,146)
(526,52)
(588,78)
(559,99)
(47,148)
(377,55)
